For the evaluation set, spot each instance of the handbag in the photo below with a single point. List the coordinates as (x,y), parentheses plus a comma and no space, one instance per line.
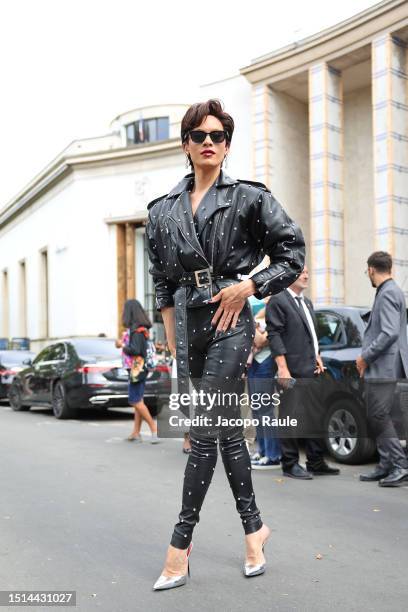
(137,364)
(138,370)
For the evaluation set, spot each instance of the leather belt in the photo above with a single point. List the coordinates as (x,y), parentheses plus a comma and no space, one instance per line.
(204,278)
(198,278)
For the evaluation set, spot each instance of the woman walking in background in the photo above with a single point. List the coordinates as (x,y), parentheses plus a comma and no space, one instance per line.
(134,351)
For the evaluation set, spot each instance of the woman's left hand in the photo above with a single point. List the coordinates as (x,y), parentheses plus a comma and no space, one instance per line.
(232,302)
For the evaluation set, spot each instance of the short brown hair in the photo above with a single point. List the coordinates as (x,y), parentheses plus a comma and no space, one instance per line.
(199,111)
(381,261)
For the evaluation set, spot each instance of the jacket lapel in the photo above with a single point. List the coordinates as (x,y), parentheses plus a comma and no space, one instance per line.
(310,308)
(207,208)
(299,310)
(182,216)
(218,197)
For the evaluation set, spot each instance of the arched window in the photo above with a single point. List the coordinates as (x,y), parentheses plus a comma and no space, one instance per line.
(147,130)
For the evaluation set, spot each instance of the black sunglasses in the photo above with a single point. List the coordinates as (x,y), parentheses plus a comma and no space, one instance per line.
(217,136)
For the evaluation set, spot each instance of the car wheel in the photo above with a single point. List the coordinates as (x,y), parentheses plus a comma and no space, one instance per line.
(15,398)
(346,437)
(60,406)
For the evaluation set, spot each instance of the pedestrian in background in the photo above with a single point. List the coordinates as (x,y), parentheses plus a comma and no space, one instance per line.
(134,352)
(261,381)
(383,360)
(290,324)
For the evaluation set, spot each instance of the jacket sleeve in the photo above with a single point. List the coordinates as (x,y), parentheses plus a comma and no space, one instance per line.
(279,238)
(137,345)
(275,318)
(390,325)
(164,287)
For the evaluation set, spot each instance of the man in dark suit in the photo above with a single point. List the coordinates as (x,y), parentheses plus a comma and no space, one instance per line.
(290,324)
(383,360)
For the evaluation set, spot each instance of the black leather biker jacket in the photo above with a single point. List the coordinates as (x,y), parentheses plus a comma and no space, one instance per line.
(247,224)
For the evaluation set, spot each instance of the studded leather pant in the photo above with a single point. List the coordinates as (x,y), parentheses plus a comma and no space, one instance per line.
(216,365)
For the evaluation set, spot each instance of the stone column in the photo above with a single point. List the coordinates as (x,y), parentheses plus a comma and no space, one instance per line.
(262,134)
(326,252)
(390,134)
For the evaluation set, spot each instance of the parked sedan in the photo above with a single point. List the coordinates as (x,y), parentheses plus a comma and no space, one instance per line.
(340,332)
(81,373)
(11,362)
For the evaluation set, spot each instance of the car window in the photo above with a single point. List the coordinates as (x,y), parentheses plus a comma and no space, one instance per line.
(43,355)
(55,352)
(96,348)
(353,333)
(330,329)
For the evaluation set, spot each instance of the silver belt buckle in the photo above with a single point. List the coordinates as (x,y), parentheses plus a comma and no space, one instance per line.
(207,282)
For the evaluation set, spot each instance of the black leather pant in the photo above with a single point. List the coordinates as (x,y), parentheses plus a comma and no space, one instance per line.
(217,364)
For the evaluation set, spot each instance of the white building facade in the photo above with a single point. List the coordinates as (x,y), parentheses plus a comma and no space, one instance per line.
(331,139)
(72,243)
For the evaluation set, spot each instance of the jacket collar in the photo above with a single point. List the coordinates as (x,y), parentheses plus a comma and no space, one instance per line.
(187,183)
(381,287)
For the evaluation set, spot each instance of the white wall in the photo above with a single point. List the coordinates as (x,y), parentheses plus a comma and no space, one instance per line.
(70,221)
(49,223)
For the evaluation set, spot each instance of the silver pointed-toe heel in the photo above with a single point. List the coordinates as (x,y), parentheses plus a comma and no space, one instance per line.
(171,582)
(255,570)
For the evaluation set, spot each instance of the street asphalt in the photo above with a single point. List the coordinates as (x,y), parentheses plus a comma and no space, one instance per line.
(82,509)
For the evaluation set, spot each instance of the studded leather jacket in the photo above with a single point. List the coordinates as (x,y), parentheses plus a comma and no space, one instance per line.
(243,222)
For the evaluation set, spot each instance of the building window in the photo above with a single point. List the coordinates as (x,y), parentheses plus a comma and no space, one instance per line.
(44,329)
(5,305)
(22,299)
(147,130)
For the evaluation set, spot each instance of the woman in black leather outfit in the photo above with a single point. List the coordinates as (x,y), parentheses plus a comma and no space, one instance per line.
(204,238)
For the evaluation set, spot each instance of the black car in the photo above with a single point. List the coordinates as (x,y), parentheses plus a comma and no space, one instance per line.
(82,373)
(340,332)
(11,362)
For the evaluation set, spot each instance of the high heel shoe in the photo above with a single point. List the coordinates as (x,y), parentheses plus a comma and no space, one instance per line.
(256,570)
(170,582)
